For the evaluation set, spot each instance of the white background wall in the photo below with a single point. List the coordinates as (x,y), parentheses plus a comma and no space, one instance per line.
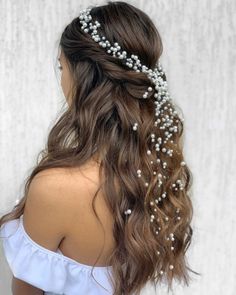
(199,58)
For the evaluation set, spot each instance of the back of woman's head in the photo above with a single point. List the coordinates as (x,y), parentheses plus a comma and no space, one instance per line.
(105,96)
(141,172)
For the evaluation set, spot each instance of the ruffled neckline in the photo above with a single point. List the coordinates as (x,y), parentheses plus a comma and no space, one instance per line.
(50,270)
(58,254)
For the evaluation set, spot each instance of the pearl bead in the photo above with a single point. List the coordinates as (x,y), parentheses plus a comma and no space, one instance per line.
(128,211)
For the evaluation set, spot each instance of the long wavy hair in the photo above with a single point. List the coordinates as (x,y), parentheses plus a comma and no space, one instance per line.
(105,103)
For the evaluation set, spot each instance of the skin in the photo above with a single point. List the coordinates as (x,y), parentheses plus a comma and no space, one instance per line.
(66,78)
(22,288)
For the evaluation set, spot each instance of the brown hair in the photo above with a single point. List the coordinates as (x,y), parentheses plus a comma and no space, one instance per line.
(106,102)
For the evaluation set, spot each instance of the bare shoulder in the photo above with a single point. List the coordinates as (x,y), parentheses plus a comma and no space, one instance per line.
(65,185)
(50,187)
(55,197)
(46,210)
(65,188)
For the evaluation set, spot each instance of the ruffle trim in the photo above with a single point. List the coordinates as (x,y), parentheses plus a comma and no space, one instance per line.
(48,270)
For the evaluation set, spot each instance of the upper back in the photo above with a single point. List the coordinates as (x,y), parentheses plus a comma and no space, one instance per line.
(85,236)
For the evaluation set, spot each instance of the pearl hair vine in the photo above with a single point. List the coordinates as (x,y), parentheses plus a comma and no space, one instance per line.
(163,121)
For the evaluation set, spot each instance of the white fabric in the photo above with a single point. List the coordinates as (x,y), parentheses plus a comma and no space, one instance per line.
(50,271)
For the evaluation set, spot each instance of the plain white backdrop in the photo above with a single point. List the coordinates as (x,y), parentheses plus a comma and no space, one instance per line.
(199,58)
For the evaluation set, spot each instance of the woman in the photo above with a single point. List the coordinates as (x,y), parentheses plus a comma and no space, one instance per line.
(110,194)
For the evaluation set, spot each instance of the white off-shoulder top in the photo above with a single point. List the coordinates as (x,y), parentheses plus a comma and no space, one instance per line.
(50,271)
